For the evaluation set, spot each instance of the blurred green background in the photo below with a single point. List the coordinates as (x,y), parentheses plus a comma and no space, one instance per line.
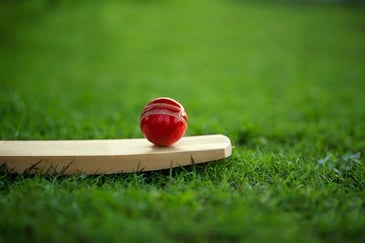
(83,70)
(284,80)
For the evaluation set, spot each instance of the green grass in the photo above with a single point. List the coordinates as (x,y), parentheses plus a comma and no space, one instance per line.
(284,81)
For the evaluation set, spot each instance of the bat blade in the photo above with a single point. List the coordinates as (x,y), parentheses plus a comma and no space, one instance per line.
(109,156)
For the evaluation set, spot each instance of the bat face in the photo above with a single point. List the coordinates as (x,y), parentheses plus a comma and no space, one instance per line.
(109,156)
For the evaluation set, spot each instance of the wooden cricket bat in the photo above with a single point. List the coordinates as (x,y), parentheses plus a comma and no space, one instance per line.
(109,156)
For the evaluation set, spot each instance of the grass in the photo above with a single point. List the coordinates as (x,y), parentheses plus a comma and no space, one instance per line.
(284,81)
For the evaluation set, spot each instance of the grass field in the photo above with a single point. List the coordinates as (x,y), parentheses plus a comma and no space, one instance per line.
(284,81)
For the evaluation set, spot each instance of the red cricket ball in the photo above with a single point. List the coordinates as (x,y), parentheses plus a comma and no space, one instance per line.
(163,121)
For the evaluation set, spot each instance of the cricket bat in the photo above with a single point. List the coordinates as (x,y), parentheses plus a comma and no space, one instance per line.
(109,156)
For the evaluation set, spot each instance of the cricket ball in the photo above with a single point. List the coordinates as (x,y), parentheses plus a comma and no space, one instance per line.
(163,121)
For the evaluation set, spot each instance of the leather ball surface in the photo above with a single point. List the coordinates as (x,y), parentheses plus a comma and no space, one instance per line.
(163,121)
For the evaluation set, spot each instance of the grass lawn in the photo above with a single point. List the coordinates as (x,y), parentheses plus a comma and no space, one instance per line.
(284,81)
